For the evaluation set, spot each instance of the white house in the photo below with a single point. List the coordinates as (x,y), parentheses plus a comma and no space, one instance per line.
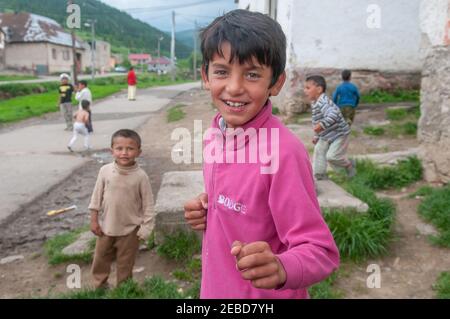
(379,40)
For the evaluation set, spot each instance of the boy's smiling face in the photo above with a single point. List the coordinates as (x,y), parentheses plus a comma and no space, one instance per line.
(239,91)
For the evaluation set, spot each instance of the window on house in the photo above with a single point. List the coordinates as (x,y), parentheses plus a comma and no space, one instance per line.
(54,54)
(66,55)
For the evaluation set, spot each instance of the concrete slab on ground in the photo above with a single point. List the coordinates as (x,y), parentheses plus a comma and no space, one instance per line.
(178,187)
(332,196)
(390,158)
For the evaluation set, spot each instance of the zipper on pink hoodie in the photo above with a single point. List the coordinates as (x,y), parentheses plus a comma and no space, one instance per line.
(280,208)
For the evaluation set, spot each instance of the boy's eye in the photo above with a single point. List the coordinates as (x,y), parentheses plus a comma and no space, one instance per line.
(220,72)
(253,75)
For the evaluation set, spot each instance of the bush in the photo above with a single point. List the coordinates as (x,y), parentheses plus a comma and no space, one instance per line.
(435,208)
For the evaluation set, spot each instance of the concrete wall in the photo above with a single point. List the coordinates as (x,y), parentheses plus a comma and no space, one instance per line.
(25,56)
(102,56)
(434,123)
(379,40)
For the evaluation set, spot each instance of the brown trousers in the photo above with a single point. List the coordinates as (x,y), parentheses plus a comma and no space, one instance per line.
(122,249)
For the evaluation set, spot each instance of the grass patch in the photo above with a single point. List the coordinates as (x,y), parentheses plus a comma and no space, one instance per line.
(380,96)
(360,236)
(325,290)
(435,208)
(275,110)
(408,128)
(404,173)
(4,78)
(180,246)
(156,287)
(152,288)
(192,271)
(175,114)
(373,130)
(396,114)
(442,286)
(422,192)
(54,246)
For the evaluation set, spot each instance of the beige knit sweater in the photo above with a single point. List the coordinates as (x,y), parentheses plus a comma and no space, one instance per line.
(123,197)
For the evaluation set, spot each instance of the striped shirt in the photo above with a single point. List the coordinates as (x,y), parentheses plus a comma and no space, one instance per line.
(328,114)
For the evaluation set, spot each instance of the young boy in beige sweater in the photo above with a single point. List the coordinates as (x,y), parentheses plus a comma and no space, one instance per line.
(121,210)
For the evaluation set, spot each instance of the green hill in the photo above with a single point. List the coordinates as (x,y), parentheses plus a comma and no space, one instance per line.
(117,27)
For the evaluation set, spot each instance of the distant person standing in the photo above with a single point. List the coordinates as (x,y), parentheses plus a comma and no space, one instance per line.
(65,100)
(132,82)
(346,96)
(84,93)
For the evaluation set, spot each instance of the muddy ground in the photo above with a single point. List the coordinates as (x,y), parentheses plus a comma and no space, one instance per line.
(409,270)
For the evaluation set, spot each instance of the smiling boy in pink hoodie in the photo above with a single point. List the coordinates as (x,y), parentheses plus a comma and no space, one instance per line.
(264,235)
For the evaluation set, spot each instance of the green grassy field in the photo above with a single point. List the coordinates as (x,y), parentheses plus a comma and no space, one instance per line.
(23,107)
(4,78)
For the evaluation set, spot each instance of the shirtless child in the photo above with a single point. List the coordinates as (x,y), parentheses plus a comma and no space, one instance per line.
(80,127)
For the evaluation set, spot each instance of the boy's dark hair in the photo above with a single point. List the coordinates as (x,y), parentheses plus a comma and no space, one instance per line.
(250,34)
(346,75)
(131,68)
(318,80)
(84,82)
(85,104)
(127,134)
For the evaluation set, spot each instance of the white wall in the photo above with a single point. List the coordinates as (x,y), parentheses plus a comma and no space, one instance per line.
(335,34)
(434,15)
(255,5)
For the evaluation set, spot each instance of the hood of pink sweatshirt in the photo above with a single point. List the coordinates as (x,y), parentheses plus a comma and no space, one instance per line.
(256,200)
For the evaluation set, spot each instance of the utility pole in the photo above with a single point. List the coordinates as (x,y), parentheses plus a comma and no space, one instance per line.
(91,23)
(195,51)
(172,48)
(74,51)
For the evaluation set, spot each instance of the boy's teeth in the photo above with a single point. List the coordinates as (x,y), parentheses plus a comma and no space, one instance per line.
(235,104)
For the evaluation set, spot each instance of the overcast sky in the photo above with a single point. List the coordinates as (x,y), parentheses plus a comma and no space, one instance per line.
(158,12)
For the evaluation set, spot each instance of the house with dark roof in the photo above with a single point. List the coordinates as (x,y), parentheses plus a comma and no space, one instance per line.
(38,44)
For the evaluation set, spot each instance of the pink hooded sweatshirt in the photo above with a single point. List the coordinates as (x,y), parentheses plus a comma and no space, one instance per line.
(279,207)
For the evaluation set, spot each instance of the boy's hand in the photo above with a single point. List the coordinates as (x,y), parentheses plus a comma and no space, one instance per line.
(257,263)
(96,229)
(318,128)
(195,212)
(315,140)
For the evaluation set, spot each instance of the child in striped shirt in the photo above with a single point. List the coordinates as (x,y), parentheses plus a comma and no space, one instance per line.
(331,131)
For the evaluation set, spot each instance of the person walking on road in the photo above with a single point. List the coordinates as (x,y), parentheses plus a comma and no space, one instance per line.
(132,82)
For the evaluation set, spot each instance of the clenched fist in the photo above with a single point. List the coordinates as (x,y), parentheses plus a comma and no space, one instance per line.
(195,212)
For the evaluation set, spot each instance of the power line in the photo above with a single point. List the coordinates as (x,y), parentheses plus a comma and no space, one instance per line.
(172,7)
